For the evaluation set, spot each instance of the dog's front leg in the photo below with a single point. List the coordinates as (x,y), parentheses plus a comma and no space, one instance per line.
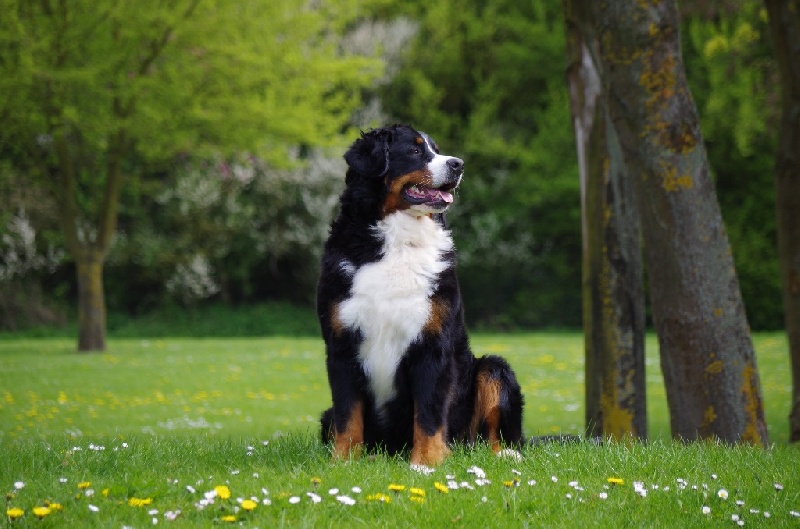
(348,407)
(431,399)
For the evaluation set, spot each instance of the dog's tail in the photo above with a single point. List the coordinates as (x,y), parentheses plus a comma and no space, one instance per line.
(499,401)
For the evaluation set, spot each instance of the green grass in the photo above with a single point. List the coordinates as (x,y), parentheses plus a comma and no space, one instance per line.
(172,413)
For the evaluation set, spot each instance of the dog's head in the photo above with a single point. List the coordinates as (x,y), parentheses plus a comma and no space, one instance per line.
(415,177)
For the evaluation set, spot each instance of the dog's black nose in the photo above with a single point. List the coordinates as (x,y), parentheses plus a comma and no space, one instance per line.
(456,164)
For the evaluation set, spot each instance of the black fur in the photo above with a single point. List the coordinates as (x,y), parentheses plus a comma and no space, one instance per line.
(438,376)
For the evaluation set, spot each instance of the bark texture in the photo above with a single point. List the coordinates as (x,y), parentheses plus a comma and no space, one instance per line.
(613,298)
(707,355)
(784,20)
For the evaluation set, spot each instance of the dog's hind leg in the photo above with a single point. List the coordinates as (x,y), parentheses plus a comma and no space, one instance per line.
(497,409)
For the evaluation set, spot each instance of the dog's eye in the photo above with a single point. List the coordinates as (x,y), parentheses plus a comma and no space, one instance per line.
(414,150)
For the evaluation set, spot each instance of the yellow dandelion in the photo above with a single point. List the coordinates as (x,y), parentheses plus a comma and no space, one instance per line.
(397,488)
(106,492)
(616,481)
(379,497)
(441,488)
(14,513)
(315,481)
(223,491)
(229,518)
(41,512)
(416,492)
(84,484)
(55,506)
(418,499)
(249,505)
(140,502)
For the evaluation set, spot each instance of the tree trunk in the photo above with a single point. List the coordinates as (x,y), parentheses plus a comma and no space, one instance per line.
(707,354)
(784,18)
(613,300)
(91,302)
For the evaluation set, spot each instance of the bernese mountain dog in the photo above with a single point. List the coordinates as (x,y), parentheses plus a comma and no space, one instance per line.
(401,372)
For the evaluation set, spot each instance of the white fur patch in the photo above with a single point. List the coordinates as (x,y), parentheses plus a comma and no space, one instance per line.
(390,299)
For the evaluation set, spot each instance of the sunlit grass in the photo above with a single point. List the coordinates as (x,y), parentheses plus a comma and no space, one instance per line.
(149,433)
(258,387)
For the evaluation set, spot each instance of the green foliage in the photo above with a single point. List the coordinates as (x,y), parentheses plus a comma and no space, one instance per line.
(486,80)
(187,77)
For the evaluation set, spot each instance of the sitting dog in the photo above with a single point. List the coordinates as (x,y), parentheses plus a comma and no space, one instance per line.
(401,372)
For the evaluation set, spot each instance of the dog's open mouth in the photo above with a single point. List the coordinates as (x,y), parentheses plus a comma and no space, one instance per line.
(420,194)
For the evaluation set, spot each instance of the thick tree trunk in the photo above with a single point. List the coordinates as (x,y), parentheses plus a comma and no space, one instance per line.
(91,302)
(784,17)
(707,354)
(613,299)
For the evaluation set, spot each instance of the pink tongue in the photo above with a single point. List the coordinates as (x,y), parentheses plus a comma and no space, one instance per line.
(445,196)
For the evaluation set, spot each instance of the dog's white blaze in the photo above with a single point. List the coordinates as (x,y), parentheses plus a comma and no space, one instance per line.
(438,166)
(390,299)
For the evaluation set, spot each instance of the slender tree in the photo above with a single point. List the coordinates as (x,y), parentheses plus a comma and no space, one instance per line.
(613,297)
(784,21)
(90,91)
(707,355)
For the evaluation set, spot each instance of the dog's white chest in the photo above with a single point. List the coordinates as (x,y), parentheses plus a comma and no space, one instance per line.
(390,299)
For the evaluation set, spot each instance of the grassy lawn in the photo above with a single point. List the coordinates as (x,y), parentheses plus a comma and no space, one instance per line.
(166,421)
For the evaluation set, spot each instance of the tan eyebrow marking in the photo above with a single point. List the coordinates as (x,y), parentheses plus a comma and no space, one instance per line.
(418,140)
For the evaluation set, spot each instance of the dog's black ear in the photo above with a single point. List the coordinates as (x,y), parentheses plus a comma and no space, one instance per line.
(369,155)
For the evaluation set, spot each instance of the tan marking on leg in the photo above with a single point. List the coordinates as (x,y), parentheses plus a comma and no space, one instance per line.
(439,310)
(350,442)
(428,450)
(486,411)
(336,320)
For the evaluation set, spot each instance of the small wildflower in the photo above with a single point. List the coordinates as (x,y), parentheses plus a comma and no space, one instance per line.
(294,500)
(418,499)
(94,508)
(229,518)
(190,489)
(478,471)
(422,469)
(603,495)
(511,483)
(615,481)
(84,484)
(106,492)
(793,513)
(723,494)
(249,505)
(333,492)
(139,502)
(316,482)
(55,506)
(315,498)
(740,503)
(416,491)
(62,480)
(171,516)
(14,513)
(532,482)
(379,497)
(223,491)
(88,493)
(778,487)
(441,488)
(482,482)
(356,490)
(346,500)
(767,514)
(19,485)
(397,488)
(706,509)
